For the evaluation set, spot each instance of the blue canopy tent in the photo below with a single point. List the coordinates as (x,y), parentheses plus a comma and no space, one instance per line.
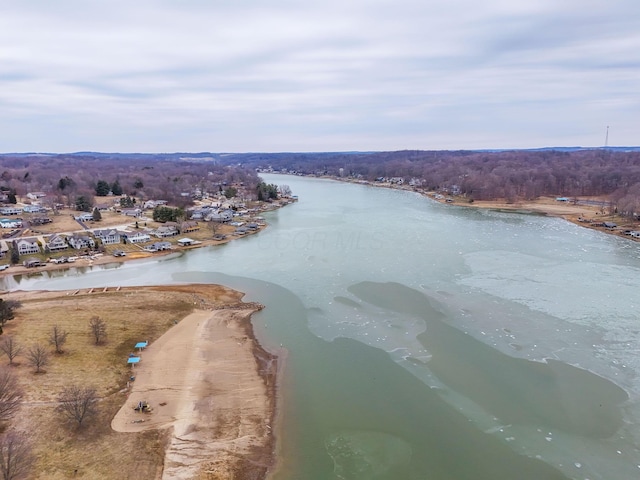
(141,345)
(133,360)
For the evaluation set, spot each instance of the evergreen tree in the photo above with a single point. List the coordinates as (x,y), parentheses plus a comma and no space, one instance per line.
(83,204)
(97,216)
(102,188)
(15,256)
(116,189)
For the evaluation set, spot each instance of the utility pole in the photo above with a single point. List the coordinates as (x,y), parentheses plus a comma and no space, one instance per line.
(606,138)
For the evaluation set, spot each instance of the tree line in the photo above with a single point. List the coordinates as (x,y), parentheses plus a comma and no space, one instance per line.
(510,175)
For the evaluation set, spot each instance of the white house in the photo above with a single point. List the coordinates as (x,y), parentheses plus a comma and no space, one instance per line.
(108,236)
(85,217)
(6,223)
(27,246)
(135,237)
(10,211)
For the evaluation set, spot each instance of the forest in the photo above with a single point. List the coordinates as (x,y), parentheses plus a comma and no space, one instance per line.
(607,173)
(175,178)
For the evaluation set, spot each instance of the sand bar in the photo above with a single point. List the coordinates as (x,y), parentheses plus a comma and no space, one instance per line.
(195,379)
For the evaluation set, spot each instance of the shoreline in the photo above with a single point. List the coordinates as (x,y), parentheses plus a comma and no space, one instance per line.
(586,216)
(212,386)
(206,396)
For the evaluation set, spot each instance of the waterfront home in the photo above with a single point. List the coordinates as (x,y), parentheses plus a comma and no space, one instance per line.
(56,243)
(221,216)
(108,236)
(164,231)
(158,246)
(135,237)
(186,227)
(28,246)
(80,241)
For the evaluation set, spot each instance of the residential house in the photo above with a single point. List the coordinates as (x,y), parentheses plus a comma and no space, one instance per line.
(151,204)
(186,227)
(108,236)
(33,209)
(158,246)
(36,195)
(135,237)
(7,223)
(28,246)
(80,241)
(85,217)
(164,231)
(132,212)
(10,211)
(56,243)
(221,216)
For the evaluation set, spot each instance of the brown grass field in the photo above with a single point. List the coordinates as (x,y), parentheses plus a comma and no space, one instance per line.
(132,314)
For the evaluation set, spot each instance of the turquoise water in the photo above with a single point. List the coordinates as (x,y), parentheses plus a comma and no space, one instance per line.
(429,341)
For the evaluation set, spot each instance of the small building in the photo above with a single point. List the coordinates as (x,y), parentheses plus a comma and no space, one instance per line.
(609,225)
(31,263)
(185,242)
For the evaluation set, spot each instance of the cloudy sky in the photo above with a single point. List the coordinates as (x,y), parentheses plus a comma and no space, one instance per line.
(336,75)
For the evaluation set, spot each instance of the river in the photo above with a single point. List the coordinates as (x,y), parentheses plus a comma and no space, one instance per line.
(429,341)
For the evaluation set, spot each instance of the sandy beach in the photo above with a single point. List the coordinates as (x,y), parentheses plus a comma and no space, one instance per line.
(210,385)
(198,382)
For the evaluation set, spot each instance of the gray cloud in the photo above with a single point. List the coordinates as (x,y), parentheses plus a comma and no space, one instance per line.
(283,75)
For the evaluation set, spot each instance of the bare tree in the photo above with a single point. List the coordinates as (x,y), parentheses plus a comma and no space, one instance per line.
(78,403)
(38,356)
(57,338)
(10,394)
(15,456)
(10,347)
(98,329)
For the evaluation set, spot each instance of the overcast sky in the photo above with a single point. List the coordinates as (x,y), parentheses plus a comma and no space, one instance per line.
(335,75)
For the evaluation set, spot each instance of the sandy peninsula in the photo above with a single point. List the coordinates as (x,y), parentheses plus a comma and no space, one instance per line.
(203,381)
(210,385)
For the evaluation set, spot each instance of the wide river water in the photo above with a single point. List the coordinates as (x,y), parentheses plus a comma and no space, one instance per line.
(428,341)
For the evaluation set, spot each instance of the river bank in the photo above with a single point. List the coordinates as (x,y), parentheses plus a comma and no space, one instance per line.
(210,385)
